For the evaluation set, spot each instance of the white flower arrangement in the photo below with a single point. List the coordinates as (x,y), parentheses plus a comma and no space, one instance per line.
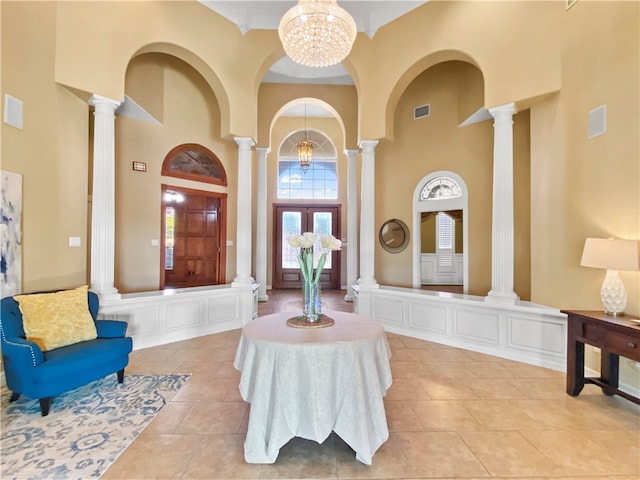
(304,243)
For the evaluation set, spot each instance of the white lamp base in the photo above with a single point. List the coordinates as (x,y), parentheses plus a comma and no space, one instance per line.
(613,294)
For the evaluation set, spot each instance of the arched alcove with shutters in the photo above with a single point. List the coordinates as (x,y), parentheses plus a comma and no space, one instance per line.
(441,196)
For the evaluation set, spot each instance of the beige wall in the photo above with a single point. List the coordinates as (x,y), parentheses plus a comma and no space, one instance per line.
(50,152)
(436,143)
(583,187)
(516,45)
(559,63)
(341,100)
(190,114)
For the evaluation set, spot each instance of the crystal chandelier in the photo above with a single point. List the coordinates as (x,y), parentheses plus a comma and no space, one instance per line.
(317,33)
(305,147)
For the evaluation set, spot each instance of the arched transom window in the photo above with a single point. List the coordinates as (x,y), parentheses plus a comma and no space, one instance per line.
(440,187)
(319,181)
(194,162)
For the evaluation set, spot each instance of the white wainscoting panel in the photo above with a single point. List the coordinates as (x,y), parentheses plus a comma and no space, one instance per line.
(423,316)
(525,332)
(477,326)
(388,309)
(160,317)
(184,314)
(534,334)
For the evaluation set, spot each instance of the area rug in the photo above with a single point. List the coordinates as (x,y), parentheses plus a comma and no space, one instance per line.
(86,429)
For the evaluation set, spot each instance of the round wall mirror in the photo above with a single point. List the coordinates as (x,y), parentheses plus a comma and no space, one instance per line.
(394,235)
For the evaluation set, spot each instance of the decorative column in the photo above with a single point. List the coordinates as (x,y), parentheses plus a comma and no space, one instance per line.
(243,230)
(103,198)
(502,224)
(261,225)
(352,223)
(367,217)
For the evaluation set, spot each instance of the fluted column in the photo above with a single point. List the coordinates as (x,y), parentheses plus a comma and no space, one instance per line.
(243,230)
(367,215)
(502,225)
(261,225)
(352,223)
(103,198)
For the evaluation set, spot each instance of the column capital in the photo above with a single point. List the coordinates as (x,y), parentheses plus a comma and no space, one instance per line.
(351,153)
(263,150)
(369,145)
(244,141)
(503,110)
(96,100)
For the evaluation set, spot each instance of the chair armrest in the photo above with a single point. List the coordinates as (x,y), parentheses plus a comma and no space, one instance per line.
(111,328)
(22,352)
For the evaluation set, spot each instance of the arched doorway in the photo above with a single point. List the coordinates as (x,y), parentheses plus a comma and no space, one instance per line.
(193,250)
(444,195)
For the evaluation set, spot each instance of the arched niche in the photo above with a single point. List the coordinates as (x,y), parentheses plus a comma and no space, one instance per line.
(440,191)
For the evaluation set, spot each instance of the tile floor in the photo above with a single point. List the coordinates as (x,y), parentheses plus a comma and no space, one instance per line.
(451,414)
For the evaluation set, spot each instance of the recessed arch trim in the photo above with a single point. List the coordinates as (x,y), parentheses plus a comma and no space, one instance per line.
(203,69)
(410,74)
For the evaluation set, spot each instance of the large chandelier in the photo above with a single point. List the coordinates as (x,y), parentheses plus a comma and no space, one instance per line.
(317,33)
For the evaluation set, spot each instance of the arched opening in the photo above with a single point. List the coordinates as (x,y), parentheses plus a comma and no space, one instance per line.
(441,197)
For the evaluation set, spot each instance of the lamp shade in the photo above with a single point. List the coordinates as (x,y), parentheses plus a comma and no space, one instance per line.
(611,254)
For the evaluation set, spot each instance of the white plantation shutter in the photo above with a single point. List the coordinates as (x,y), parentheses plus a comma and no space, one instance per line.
(444,250)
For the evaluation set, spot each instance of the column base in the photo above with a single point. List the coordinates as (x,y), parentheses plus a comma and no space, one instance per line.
(370,283)
(107,294)
(505,298)
(243,282)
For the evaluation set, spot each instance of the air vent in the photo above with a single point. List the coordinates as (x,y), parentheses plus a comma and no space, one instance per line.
(422,111)
(597,123)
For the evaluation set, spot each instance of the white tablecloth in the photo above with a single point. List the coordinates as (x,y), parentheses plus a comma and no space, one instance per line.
(306,383)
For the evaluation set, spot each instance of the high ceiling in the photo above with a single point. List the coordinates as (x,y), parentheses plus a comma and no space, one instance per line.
(266,14)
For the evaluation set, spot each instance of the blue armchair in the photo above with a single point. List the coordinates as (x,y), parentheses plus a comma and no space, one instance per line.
(43,375)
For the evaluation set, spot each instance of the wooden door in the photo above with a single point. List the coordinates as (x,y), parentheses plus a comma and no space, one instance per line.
(192,244)
(296,219)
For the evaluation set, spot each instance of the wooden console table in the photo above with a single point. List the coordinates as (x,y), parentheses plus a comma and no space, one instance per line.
(614,336)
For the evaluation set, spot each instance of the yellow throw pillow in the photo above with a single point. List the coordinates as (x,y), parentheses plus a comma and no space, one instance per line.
(57,319)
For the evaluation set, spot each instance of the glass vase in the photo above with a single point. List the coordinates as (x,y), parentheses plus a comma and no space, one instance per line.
(312,305)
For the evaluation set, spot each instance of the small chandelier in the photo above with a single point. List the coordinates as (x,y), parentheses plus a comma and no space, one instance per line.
(305,147)
(305,152)
(317,33)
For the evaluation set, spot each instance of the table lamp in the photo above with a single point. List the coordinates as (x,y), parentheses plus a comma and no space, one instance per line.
(612,254)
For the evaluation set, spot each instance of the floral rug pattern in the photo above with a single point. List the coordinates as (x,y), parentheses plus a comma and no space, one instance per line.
(86,429)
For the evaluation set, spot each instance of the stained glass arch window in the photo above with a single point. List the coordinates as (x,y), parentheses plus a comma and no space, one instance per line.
(194,162)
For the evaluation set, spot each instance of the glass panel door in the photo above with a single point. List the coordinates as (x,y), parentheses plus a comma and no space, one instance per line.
(292,220)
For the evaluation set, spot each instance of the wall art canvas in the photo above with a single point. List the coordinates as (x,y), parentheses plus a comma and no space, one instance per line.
(10,234)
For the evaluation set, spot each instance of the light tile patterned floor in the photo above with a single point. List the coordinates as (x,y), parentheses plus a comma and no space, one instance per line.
(451,414)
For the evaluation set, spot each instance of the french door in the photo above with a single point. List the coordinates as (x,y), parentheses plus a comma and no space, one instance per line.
(296,219)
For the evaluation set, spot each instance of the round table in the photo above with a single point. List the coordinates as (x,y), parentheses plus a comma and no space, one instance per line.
(308,382)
